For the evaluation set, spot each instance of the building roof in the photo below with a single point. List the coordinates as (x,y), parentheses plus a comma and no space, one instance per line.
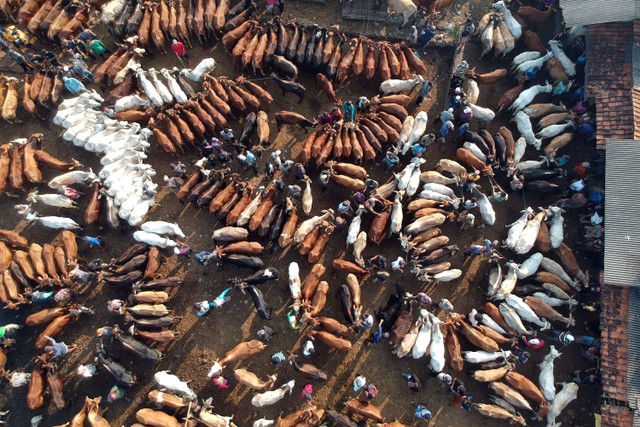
(622,237)
(609,72)
(590,12)
(614,356)
(633,361)
(614,351)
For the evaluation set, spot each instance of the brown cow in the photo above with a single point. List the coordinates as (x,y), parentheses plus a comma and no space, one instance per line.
(325,85)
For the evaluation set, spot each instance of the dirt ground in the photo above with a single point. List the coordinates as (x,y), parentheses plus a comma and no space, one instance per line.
(203,340)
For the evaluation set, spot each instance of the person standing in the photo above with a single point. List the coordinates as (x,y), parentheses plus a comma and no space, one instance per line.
(348,111)
(270,5)
(427,35)
(413,37)
(391,160)
(323,181)
(180,50)
(19,59)
(98,47)
(467,31)
(424,91)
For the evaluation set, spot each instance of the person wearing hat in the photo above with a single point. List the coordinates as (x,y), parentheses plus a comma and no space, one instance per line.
(398,264)
(534,342)
(413,37)
(468,220)
(461,68)
(466,115)
(367,322)
(180,50)
(227,133)
(363,104)
(580,170)
(486,248)
(446,115)
(455,102)
(427,35)
(308,349)
(422,413)
(424,91)
(359,382)
(446,127)
(468,29)
(323,181)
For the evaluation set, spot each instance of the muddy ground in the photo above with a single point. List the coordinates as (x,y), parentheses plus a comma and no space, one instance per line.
(202,340)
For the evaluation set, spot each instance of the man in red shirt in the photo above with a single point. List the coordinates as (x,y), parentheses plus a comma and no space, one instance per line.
(180,50)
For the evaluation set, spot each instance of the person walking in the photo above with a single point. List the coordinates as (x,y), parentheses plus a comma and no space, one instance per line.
(180,50)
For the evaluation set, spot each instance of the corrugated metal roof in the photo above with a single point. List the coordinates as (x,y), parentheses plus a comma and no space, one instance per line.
(633,361)
(589,12)
(622,223)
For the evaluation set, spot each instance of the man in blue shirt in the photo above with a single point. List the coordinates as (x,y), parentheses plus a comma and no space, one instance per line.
(427,35)
(348,111)
(424,91)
